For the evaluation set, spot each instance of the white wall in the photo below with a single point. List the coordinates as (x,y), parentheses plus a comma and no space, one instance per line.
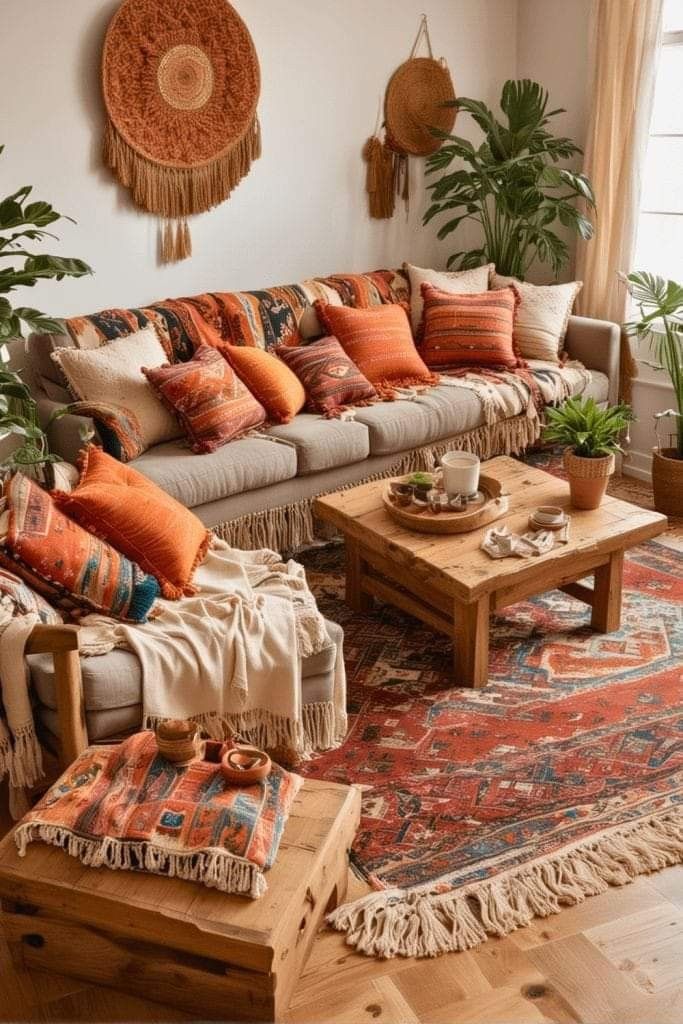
(302,210)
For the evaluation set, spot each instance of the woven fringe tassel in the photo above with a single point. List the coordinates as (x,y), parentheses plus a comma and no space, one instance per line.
(398,922)
(176,242)
(379,179)
(215,868)
(292,527)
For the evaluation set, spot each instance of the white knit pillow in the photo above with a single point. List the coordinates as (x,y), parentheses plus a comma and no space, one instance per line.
(112,375)
(542,316)
(457,282)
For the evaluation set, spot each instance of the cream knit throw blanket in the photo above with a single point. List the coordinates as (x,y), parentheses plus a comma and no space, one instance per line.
(228,657)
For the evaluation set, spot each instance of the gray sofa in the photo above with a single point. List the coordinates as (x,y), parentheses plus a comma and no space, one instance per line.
(259,491)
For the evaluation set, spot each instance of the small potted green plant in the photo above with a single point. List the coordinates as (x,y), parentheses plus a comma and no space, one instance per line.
(591,435)
(660,304)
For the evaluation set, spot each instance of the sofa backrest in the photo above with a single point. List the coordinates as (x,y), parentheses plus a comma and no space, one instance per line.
(264,318)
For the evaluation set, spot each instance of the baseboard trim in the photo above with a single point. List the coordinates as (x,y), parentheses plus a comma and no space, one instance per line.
(639,465)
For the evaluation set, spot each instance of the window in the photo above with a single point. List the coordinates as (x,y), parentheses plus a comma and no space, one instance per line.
(659,247)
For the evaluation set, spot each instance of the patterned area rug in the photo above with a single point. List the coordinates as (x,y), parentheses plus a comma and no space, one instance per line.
(487,808)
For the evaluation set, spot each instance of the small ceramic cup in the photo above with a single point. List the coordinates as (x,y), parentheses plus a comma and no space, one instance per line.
(549,515)
(460,472)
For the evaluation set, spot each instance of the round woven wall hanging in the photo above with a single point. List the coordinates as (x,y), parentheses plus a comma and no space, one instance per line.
(181,84)
(414,102)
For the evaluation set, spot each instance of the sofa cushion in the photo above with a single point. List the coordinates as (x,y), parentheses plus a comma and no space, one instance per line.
(322,444)
(239,466)
(441,412)
(468,330)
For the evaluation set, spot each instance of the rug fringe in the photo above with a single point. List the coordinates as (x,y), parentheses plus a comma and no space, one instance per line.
(431,921)
(215,868)
(292,527)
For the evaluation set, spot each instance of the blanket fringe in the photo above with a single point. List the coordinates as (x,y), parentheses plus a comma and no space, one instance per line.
(428,922)
(214,868)
(292,527)
(24,759)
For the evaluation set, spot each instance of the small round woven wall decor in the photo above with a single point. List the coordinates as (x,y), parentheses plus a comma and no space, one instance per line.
(181,83)
(413,105)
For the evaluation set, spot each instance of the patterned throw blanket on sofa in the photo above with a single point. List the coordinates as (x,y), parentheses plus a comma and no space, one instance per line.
(228,657)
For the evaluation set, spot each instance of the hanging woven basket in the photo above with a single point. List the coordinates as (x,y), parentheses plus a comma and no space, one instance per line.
(414,103)
(181,84)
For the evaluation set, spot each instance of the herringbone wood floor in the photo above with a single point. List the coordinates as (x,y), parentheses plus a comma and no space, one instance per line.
(616,959)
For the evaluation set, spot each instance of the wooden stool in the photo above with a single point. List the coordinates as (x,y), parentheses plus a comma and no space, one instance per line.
(212,954)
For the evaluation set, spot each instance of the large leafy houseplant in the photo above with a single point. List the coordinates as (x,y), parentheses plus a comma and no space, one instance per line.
(591,436)
(660,304)
(510,184)
(21,222)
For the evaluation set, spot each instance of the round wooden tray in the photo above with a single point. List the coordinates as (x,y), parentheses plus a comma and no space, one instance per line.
(426,521)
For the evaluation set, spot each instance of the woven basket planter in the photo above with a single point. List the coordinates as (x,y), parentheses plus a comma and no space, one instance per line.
(667,481)
(588,479)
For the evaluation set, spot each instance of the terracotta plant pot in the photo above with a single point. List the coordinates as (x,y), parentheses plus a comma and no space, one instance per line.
(667,481)
(588,478)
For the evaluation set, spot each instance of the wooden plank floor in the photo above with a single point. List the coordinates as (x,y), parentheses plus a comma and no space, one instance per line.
(615,959)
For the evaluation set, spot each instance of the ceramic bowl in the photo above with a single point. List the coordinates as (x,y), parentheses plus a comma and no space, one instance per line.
(549,515)
(243,766)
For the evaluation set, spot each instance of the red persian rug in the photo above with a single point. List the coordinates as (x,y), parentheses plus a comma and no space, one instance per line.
(486,808)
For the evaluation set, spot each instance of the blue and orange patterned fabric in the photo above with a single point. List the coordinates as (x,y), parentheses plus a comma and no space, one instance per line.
(67,565)
(126,806)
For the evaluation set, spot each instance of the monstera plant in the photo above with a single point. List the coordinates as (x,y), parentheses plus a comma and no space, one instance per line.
(22,221)
(510,184)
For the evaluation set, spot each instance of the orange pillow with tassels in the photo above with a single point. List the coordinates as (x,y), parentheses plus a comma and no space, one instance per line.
(470,329)
(379,341)
(120,505)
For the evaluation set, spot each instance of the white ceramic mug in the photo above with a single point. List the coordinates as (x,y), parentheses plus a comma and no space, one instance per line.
(460,472)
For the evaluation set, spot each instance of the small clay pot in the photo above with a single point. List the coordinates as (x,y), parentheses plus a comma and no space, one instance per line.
(588,479)
(243,766)
(177,740)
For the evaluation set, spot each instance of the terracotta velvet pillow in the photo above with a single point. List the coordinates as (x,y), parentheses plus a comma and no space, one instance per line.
(126,509)
(273,384)
(208,398)
(332,381)
(69,566)
(379,341)
(469,330)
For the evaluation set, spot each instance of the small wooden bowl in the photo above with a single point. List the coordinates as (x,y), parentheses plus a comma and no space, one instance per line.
(177,740)
(243,766)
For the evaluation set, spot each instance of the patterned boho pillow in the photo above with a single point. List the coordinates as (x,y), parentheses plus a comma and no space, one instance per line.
(129,511)
(66,564)
(380,343)
(273,384)
(542,316)
(210,401)
(119,429)
(331,380)
(111,378)
(23,600)
(469,330)
(456,282)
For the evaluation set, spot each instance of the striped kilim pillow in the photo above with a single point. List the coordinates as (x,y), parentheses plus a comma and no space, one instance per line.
(332,382)
(469,330)
(209,400)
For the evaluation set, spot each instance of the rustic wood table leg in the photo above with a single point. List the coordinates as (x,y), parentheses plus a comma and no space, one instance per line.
(356,598)
(471,642)
(606,615)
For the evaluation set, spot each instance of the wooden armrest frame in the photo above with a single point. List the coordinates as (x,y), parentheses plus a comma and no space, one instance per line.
(62,643)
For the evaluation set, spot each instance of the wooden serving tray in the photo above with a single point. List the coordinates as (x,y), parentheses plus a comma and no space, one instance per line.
(426,521)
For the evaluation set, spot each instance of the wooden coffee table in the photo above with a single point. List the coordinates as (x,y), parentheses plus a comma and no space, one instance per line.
(451,585)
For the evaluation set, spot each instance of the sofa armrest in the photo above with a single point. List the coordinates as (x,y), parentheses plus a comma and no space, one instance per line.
(596,344)
(64,435)
(62,643)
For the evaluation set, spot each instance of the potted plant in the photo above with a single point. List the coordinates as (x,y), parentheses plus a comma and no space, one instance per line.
(592,437)
(660,303)
(22,221)
(509,184)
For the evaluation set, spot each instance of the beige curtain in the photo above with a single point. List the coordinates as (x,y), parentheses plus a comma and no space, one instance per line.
(626,36)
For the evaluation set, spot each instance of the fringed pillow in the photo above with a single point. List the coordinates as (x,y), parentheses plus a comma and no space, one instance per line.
(379,341)
(209,400)
(109,810)
(66,564)
(133,514)
(469,330)
(542,317)
(332,382)
(456,282)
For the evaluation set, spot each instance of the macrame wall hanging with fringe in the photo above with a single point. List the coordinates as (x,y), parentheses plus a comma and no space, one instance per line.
(181,83)
(414,103)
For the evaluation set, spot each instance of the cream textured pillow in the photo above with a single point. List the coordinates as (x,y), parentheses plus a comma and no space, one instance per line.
(112,376)
(542,316)
(457,282)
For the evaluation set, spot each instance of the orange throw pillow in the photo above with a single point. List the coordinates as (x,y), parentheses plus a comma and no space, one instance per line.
(123,507)
(379,341)
(270,381)
(469,330)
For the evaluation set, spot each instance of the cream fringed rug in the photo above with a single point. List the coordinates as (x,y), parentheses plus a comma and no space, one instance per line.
(487,808)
